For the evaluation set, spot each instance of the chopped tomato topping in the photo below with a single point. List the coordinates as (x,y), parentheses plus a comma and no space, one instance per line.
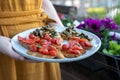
(37,39)
(87,44)
(53,40)
(76,52)
(76,47)
(72,43)
(29,41)
(31,36)
(33,48)
(56,41)
(70,51)
(82,40)
(65,46)
(52,48)
(75,38)
(52,52)
(47,37)
(43,50)
(21,38)
(45,42)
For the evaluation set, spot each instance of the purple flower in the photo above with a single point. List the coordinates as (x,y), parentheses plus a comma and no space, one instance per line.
(114,26)
(87,20)
(97,25)
(94,24)
(84,23)
(109,24)
(106,22)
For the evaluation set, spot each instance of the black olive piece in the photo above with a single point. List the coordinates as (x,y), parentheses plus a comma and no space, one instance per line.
(34,32)
(45,28)
(37,30)
(86,37)
(39,33)
(55,32)
(67,29)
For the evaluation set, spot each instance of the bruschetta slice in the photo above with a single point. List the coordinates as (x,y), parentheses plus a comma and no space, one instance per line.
(72,49)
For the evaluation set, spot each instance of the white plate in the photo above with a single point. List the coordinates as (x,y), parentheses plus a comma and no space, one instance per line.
(96,42)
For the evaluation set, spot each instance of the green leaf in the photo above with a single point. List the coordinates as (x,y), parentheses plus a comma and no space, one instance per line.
(111,52)
(105,51)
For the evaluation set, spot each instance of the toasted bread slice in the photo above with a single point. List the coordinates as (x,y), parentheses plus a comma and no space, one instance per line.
(59,55)
(39,55)
(72,55)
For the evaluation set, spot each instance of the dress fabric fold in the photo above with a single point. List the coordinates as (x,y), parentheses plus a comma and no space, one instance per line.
(17,16)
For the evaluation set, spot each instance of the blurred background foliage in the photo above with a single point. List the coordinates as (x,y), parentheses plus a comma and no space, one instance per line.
(117,16)
(98,12)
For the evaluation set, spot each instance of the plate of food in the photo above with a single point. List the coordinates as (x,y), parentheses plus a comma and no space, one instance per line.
(56,44)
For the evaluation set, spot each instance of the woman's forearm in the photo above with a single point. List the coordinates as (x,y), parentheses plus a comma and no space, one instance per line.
(50,10)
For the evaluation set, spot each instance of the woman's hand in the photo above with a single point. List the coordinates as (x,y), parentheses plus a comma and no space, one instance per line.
(6,48)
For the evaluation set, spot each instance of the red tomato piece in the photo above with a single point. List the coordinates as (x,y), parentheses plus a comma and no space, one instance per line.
(52,52)
(76,47)
(31,36)
(75,38)
(76,52)
(82,44)
(37,39)
(70,51)
(43,50)
(53,40)
(33,48)
(72,43)
(21,38)
(24,41)
(47,37)
(57,41)
(87,44)
(65,46)
(29,41)
(52,48)
(82,40)
(45,42)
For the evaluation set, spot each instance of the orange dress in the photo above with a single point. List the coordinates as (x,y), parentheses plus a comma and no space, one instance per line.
(17,16)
